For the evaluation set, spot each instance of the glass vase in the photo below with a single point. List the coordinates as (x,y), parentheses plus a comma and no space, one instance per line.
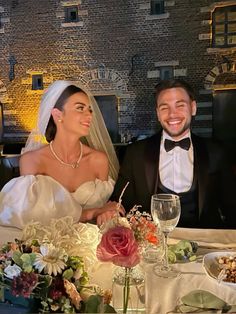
(128,290)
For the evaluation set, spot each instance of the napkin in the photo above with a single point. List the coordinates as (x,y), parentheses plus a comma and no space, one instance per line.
(198,301)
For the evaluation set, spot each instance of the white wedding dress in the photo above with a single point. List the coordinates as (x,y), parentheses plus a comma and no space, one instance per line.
(41,198)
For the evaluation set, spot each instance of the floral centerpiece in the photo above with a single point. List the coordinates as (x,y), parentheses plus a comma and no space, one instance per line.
(119,246)
(50,265)
(145,231)
(121,242)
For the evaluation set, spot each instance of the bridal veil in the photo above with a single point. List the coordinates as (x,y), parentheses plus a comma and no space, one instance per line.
(98,137)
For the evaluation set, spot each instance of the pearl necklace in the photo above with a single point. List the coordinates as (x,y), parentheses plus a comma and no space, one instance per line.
(74,164)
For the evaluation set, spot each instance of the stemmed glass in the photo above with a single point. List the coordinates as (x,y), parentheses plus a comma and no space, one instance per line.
(165,209)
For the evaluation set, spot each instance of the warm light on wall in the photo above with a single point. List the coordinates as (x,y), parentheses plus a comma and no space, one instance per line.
(223,87)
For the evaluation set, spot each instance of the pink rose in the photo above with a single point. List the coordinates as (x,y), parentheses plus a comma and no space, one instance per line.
(119,246)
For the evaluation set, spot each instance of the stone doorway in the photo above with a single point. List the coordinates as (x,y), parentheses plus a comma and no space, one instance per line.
(224,115)
(224,122)
(1,122)
(108,107)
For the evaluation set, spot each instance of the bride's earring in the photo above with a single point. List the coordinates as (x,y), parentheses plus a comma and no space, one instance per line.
(59,120)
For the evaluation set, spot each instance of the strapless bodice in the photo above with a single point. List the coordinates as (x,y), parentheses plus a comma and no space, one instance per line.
(40,198)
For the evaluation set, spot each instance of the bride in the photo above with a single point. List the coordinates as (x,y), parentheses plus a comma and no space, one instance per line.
(68,166)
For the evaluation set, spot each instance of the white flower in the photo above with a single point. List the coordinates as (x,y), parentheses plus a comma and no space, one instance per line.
(83,243)
(51,259)
(75,238)
(12,271)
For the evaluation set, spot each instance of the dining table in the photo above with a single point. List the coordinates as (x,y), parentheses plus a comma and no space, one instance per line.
(162,295)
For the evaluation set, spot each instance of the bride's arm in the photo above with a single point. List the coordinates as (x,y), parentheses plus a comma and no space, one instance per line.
(29,163)
(100,165)
(101,214)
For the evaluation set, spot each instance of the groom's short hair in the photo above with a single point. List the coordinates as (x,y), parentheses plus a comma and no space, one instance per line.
(174,83)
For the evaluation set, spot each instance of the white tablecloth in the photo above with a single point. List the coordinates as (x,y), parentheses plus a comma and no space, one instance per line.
(212,238)
(162,295)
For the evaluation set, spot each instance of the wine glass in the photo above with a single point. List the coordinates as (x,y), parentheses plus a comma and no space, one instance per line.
(165,209)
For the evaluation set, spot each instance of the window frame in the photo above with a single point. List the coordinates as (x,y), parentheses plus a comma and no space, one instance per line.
(68,11)
(225,23)
(153,7)
(163,69)
(35,82)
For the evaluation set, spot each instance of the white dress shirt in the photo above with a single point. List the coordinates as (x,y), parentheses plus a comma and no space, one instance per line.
(176,166)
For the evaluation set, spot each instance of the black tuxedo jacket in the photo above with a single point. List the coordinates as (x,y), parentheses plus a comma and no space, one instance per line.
(216,194)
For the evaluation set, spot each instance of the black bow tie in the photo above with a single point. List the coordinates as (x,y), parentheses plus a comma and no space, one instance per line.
(184,143)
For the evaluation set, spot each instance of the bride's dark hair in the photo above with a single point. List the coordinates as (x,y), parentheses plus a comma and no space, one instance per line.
(51,127)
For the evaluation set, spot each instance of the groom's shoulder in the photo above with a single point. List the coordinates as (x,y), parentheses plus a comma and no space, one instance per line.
(211,149)
(209,143)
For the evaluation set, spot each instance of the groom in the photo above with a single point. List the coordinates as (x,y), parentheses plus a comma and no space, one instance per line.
(179,162)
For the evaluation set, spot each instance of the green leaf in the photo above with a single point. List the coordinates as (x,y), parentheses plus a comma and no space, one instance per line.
(28,258)
(108,309)
(16,257)
(204,300)
(35,243)
(5,248)
(46,280)
(75,262)
(184,245)
(192,258)
(93,304)
(179,254)
(28,261)
(183,251)
(84,279)
(188,309)
(171,257)
(68,274)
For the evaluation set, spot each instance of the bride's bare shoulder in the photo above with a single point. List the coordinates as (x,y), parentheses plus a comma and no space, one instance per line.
(95,155)
(30,162)
(98,161)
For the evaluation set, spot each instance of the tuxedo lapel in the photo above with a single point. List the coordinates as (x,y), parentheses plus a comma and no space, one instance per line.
(201,163)
(151,161)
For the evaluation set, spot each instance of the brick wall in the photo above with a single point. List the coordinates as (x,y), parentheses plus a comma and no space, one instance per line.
(121,37)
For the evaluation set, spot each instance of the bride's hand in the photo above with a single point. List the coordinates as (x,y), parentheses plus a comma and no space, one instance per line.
(108,211)
(102,214)
(111,206)
(104,217)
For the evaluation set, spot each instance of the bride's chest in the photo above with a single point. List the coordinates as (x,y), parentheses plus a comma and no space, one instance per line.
(70,178)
